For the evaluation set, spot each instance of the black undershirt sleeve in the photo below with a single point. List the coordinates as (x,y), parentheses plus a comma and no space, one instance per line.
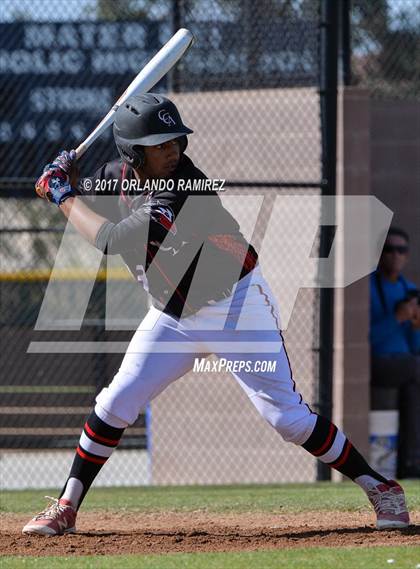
(141,227)
(128,234)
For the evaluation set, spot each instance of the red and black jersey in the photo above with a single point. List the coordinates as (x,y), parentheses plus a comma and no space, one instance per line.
(184,247)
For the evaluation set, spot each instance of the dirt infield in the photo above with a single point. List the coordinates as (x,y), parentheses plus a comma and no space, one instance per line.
(127,533)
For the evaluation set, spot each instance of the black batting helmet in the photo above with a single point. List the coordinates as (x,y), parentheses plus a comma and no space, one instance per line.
(147,120)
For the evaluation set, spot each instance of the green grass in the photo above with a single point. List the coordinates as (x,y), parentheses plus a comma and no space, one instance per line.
(319,558)
(47,389)
(293,498)
(221,499)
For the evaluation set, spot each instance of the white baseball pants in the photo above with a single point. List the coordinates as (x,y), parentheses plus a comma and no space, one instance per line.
(242,327)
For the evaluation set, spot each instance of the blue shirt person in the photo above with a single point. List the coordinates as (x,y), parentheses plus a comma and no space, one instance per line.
(395,347)
(392,330)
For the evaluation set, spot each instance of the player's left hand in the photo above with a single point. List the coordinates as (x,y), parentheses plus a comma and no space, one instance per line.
(55,183)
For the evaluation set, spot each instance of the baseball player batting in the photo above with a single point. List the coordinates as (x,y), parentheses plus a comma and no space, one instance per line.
(209,295)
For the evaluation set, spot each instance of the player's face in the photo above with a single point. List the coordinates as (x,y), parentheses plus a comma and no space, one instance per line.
(395,253)
(162,159)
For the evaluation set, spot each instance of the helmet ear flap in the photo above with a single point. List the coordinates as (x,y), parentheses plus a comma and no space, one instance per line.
(139,157)
(135,158)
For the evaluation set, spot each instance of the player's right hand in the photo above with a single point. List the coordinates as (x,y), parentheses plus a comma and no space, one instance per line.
(58,177)
(54,185)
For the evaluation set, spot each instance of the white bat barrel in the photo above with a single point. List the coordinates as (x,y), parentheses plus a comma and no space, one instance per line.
(151,74)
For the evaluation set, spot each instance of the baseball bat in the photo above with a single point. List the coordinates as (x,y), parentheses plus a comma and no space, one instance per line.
(157,67)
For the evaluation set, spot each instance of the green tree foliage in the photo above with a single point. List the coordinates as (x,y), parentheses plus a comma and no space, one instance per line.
(386,46)
(134,10)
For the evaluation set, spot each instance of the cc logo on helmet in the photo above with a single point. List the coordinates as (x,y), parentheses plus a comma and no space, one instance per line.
(166,117)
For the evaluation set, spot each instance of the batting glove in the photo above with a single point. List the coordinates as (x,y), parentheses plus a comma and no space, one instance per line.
(54,184)
(65,160)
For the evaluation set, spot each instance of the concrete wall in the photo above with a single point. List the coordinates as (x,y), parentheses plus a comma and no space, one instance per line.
(395,165)
(270,134)
(379,154)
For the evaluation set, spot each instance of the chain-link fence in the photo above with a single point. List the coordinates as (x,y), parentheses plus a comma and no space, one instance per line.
(59,78)
(45,397)
(385,47)
(249,88)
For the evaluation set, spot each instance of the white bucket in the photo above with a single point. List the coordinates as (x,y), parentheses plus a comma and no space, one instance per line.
(383,439)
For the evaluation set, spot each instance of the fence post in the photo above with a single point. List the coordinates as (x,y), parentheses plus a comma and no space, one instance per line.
(345,42)
(328,102)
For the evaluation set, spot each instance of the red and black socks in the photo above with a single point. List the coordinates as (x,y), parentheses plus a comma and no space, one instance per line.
(97,442)
(331,446)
